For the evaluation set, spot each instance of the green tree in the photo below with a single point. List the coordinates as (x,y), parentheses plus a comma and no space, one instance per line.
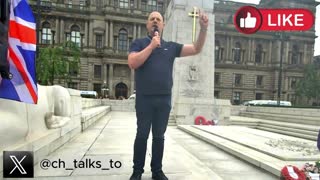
(53,62)
(309,85)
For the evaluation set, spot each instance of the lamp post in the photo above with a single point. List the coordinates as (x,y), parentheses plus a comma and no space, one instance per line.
(280,70)
(280,36)
(232,87)
(104,88)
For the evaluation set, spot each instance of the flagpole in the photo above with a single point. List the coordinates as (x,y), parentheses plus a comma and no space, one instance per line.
(22,87)
(4,26)
(37,28)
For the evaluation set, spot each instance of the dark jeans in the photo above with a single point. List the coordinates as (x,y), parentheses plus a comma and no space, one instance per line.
(152,111)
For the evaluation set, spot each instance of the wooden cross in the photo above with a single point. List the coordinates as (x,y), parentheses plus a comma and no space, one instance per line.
(194,14)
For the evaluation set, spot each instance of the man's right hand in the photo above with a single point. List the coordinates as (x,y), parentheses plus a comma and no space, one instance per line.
(155,42)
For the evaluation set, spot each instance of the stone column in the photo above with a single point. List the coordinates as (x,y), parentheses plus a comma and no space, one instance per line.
(104,74)
(249,50)
(111,35)
(285,85)
(116,45)
(231,48)
(128,44)
(305,54)
(106,36)
(90,76)
(57,36)
(139,30)
(252,49)
(138,4)
(270,53)
(86,34)
(278,51)
(132,81)
(286,46)
(228,49)
(111,80)
(134,31)
(61,31)
(90,34)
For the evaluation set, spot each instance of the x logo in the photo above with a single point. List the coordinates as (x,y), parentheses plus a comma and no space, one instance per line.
(18,164)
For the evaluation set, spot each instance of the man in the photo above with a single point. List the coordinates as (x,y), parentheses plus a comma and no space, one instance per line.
(152,58)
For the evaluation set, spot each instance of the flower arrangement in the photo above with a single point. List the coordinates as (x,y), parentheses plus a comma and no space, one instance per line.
(311,170)
(292,173)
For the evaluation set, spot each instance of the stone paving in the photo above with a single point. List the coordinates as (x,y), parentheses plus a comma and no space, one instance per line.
(108,145)
(283,147)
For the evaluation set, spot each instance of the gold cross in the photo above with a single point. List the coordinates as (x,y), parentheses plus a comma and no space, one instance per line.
(194,14)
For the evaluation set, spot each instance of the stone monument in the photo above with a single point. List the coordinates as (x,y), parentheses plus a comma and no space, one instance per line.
(42,127)
(193,90)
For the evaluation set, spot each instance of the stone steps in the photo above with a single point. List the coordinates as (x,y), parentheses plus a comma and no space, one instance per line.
(292,129)
(172,120)
(253,156)
(290,133)
(300,130)
(91,115)
(308,120)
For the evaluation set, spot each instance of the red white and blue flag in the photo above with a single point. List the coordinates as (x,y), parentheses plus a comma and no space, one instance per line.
(21,55)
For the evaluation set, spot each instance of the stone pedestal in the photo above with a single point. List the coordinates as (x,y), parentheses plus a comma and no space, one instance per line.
(193,91)
(43,127)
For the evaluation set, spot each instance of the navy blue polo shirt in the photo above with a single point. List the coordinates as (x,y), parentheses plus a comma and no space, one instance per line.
(154,77)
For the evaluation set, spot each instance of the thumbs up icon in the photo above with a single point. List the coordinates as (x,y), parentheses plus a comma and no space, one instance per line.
(248,22)
(247,19)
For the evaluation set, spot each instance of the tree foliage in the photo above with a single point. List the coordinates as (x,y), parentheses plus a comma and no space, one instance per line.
(54,62)
(309,85)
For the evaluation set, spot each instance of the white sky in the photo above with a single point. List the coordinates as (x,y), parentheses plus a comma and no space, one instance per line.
(317,22)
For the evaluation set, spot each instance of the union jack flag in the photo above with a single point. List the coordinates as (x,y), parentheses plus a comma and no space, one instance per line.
(21,55)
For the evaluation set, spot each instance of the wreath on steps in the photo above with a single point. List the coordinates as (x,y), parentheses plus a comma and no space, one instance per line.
(308,172)
(292,173)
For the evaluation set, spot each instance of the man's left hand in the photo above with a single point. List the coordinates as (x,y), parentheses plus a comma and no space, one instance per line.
(204,21)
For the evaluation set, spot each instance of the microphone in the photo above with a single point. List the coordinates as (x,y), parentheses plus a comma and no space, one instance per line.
(155,29)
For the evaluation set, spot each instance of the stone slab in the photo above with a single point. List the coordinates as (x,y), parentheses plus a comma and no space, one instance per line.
(259,159)
(114,140)
(277,145)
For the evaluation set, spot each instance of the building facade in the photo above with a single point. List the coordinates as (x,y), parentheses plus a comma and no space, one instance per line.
(103,29)
(247,66)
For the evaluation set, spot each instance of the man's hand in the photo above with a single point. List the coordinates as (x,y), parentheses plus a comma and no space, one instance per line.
(196,47)
(155,42)
(204,21)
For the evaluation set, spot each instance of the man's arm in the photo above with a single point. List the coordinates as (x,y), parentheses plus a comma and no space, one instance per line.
(136,59)
(195,48)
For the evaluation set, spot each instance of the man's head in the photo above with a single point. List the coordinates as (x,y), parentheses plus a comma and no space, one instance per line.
(155,19)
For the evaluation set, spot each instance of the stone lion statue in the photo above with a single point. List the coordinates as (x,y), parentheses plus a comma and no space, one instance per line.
(20,122)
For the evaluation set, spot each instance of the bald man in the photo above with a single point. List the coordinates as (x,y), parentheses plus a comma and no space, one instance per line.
(152,58)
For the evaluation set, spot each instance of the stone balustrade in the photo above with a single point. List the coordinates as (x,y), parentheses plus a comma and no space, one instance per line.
(126,105)
(89,103)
